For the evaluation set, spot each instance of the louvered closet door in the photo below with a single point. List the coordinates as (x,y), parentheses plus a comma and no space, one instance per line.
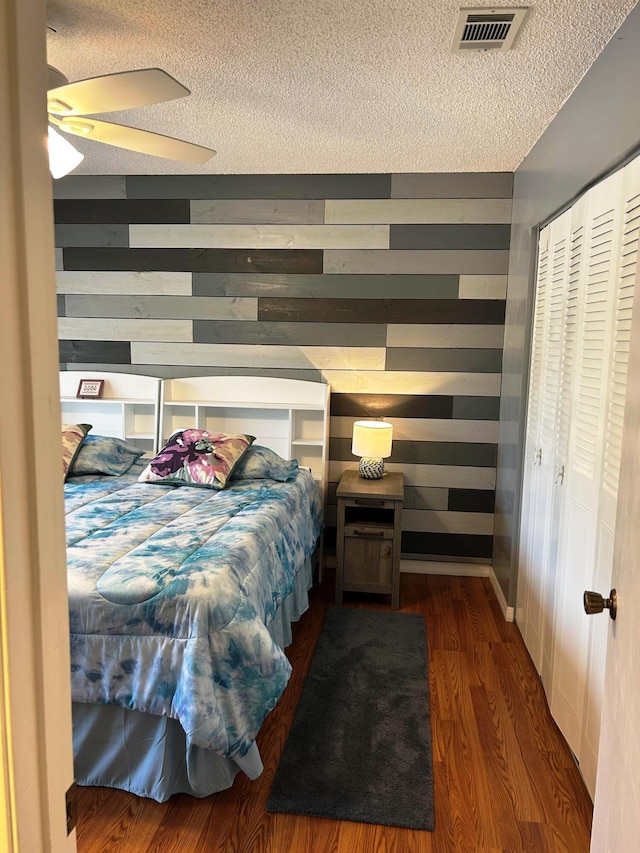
(626,279)
(586,537)
(540,508)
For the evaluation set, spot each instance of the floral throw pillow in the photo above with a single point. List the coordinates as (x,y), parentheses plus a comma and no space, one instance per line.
(196,457)
(72,438)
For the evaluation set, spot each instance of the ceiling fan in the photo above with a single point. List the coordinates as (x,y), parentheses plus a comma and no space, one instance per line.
(71,105)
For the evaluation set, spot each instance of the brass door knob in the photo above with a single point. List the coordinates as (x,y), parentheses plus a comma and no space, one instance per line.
(595,603)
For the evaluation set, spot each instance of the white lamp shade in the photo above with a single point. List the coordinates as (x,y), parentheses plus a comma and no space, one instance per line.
(372,439)
(63,157)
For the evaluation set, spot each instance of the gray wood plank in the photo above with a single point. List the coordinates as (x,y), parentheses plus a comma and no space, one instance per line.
(59,260)
(299,334)
(476,408)
(422,497)
(259,186)
(90,186)
(326,286)
(92,235)
(427,452)
(257,210)
(163,307)
(445,335)
(454,360)
(452,185)
(367,261)
(419,210)
(177,371)
(486,236)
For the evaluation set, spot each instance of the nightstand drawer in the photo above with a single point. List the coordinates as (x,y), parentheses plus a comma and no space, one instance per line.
(374,503)
(369,531)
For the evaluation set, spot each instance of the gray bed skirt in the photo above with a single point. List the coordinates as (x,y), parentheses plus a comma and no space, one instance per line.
(149,755)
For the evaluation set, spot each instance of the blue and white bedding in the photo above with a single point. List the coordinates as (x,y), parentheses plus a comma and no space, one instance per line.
(171,590)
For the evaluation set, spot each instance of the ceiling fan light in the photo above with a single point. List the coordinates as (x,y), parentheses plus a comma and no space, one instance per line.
(63,157)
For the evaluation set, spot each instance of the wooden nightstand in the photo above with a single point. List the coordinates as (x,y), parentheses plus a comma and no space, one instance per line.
(368,543)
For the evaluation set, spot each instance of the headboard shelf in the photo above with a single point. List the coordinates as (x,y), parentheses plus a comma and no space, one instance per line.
(128,407)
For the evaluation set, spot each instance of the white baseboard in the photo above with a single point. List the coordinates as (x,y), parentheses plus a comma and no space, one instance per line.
(508,611)
(434,567)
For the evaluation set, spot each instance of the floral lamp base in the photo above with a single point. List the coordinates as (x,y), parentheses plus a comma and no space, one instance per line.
(371,468)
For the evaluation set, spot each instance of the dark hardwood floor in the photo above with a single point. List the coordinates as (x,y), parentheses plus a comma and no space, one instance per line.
(504,777)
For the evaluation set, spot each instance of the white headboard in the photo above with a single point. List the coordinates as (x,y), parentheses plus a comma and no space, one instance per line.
(291,416)
(128,407)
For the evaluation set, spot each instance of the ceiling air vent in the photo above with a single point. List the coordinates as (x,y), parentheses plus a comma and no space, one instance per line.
(487,28)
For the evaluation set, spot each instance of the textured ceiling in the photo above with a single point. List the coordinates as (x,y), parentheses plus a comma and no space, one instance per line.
(310,86)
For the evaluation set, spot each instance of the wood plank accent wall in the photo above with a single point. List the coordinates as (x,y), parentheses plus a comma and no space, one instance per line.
(390,287)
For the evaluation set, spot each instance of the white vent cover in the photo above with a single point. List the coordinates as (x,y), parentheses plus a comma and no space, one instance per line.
(487,28)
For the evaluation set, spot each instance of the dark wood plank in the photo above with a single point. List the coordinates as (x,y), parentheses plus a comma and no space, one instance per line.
(195,260)
(504,777)
(475,311)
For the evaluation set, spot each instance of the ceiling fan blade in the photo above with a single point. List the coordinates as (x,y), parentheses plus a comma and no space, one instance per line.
(120,91)
(134,139)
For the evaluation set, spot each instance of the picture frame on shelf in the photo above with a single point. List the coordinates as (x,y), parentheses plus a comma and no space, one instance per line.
(90,389)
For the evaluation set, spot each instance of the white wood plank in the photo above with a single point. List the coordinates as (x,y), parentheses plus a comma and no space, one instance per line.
(483,287)
(418,429)
(125,283)
(282,236)
(94,329)
(257,210)
(401,382)
(335,359)
(162,307)
(439,476)
(444,336)
(434,521)
(408,211)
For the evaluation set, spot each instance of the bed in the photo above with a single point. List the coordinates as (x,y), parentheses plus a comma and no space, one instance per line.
(181,599)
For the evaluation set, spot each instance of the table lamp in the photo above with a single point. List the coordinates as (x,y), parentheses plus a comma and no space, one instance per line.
(372,442)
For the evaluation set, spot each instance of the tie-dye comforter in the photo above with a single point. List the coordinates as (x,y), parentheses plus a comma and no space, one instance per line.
(170,592)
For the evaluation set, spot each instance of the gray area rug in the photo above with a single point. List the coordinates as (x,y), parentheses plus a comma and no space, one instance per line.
(359,748)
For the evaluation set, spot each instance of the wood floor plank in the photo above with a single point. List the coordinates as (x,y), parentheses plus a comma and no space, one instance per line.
(504,779)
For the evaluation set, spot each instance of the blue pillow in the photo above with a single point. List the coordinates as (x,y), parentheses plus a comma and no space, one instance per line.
(101,454)
(261,463)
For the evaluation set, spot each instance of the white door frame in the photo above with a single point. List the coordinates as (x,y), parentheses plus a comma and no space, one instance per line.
(35,726)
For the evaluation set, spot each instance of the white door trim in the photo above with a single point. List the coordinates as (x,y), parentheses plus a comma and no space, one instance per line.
(34,645)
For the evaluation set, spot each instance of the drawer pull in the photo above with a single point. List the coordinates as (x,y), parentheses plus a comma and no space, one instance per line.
(368,532)
(368,502)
